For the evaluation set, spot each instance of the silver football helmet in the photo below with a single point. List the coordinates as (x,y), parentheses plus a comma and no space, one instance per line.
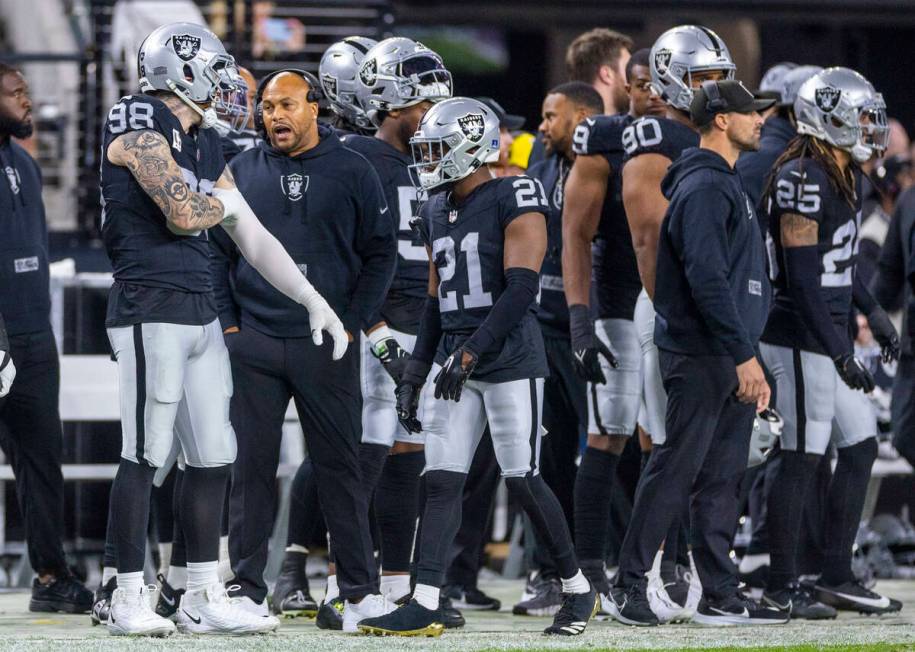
(678,54)
(839,106)
(191,62)
(773,80)
(337,72)
(767,428)
(400,72)
(454,139)
(793,81)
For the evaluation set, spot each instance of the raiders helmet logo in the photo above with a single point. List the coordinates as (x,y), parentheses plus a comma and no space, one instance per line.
(186,46)
(329,82)
(472,125)
(294,186)
(827,98)
(662,59)
(369,72)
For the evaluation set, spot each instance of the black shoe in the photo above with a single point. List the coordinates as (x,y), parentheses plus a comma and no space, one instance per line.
(330,615)
(291,597)
(545,601)
(596,572)
(737,610)
(471,598)
(797,602)
(629,605)
(102,604)
(169,598)
(451,617)
(573,616)
(675,579)
(852,596)
(64,593)
(412,619)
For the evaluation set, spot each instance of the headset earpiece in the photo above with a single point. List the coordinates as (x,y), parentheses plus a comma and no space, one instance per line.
(713,99)
(315,94)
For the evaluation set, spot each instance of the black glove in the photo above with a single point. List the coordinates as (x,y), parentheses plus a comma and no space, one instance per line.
(885,334)
(586,346)
(854,373)
(451,378)
(392,356)
(409,387)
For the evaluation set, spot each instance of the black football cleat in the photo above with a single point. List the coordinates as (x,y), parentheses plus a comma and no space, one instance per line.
(737,610)
(102,604)
(412,619)
(62,594)
(330,615)
(471,598)
(452,618)
(629,605)
(573,616)
(853,596)
(169,598)
(291,595)
(797,602)
(542,597)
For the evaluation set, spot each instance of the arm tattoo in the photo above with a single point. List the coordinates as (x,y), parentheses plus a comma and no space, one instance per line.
(148,157)
(798,231)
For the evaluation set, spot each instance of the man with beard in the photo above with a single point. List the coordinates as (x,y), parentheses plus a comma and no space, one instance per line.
(29,419)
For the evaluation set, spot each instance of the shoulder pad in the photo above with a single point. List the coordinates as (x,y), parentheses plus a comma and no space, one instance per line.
(801,185)
(138,113)
(600,134)
(519,195)
(650,135)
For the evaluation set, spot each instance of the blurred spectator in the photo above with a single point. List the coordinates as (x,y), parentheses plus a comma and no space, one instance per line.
(599,57)
(890,177)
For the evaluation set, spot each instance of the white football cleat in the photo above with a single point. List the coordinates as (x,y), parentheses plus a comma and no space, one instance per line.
(212,611)
(133,615)
(371,606)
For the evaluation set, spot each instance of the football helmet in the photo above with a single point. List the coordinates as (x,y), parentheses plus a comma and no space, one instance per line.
(681,52)
(337,72)
(773,80)
(191,62)
(454,139)
(793,81)
(767,428)
(839,106)
(400,72)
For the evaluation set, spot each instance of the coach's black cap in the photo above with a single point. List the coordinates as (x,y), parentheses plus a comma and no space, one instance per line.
(729,96)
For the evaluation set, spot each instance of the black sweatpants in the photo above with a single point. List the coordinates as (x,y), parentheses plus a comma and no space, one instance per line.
(708,440)
(267,372)
(32,439)
(903,407)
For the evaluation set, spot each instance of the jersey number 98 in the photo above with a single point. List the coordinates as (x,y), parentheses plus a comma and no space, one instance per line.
(136,114)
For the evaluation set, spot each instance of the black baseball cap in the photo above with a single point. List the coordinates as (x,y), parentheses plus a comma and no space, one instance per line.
(728,96)
(507,120)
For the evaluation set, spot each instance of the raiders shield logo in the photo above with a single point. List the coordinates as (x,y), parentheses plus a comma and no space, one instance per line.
(827,98)
(452,216)
(329,82)
(662,59)
(294,186)
(472,125)
(369,72)
(186,46)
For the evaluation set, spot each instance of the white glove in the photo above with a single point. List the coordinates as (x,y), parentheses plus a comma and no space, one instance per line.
(321,317)
(7,374)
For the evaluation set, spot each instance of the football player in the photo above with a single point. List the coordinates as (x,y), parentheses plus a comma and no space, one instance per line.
(814,200)
(338,72)
(486,239)
(164,182)
(237,130)
(680,60)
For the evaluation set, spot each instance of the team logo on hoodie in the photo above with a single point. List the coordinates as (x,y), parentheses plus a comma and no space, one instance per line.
(294,185)
(12,175)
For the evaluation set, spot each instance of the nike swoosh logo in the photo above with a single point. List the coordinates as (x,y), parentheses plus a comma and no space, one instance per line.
(384,210)
(745,614)
(169,601)
(780,607)
(880,603)
(580,356)
(591,121)
(196,620)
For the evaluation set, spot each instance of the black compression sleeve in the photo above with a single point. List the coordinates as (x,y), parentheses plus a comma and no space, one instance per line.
(521,285)
(430,332)
(802,267)
(864,300)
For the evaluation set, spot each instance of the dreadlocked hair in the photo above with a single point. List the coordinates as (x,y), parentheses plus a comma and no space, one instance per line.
(803,146)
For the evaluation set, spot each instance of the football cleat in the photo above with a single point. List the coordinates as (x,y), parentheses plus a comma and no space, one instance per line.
(211,611)
(371,606)
(471,598)
(62,594)
(102,604)
(545,598)
(411,619)
(291,595)
(853,596)
(737,610)
(630,606)
(451,617)
(132,615)
(797,602)
(573,616)
(169,598)
(330,615)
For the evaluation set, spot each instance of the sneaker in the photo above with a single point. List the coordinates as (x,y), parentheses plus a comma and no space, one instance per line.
(545,601)
(64,593)
(662,604)
(797,602)
(754,570)
(852,596)
(412,619)
(737,610)
(169,598)
(573,616)
(471,598)
(371,606)
(451,617)
(211,611)
(132,615)
(102,604)
(291,595)
(330,615)
(630,606)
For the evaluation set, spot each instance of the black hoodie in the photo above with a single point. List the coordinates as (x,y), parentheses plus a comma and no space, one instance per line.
(327,208)
(712,294)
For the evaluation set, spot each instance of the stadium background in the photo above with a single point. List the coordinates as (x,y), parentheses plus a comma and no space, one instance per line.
(78,56)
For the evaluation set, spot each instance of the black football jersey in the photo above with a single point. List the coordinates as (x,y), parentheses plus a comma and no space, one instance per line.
(403,305)
(468,245)
(614,271)
(650,135)
(802,187)
(159,276)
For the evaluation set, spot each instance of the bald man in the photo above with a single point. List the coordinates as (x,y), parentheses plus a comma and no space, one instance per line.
(325,204)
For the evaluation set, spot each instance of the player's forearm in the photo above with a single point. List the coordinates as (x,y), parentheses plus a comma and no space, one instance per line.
(646,257)
(576,268)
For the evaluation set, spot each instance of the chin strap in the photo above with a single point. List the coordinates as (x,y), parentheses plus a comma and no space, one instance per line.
(209,119)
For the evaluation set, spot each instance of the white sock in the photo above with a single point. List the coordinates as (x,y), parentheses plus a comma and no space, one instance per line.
(165,557)
(578,583)
(177,577)
(107,573)
(394,587)
(224,547)
(131,582)
(332,591)
(294,547)
(201,574)
(427,596)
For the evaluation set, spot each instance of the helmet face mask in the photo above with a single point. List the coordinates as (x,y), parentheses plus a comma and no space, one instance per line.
(767,428)
(231,100)
(679,54)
